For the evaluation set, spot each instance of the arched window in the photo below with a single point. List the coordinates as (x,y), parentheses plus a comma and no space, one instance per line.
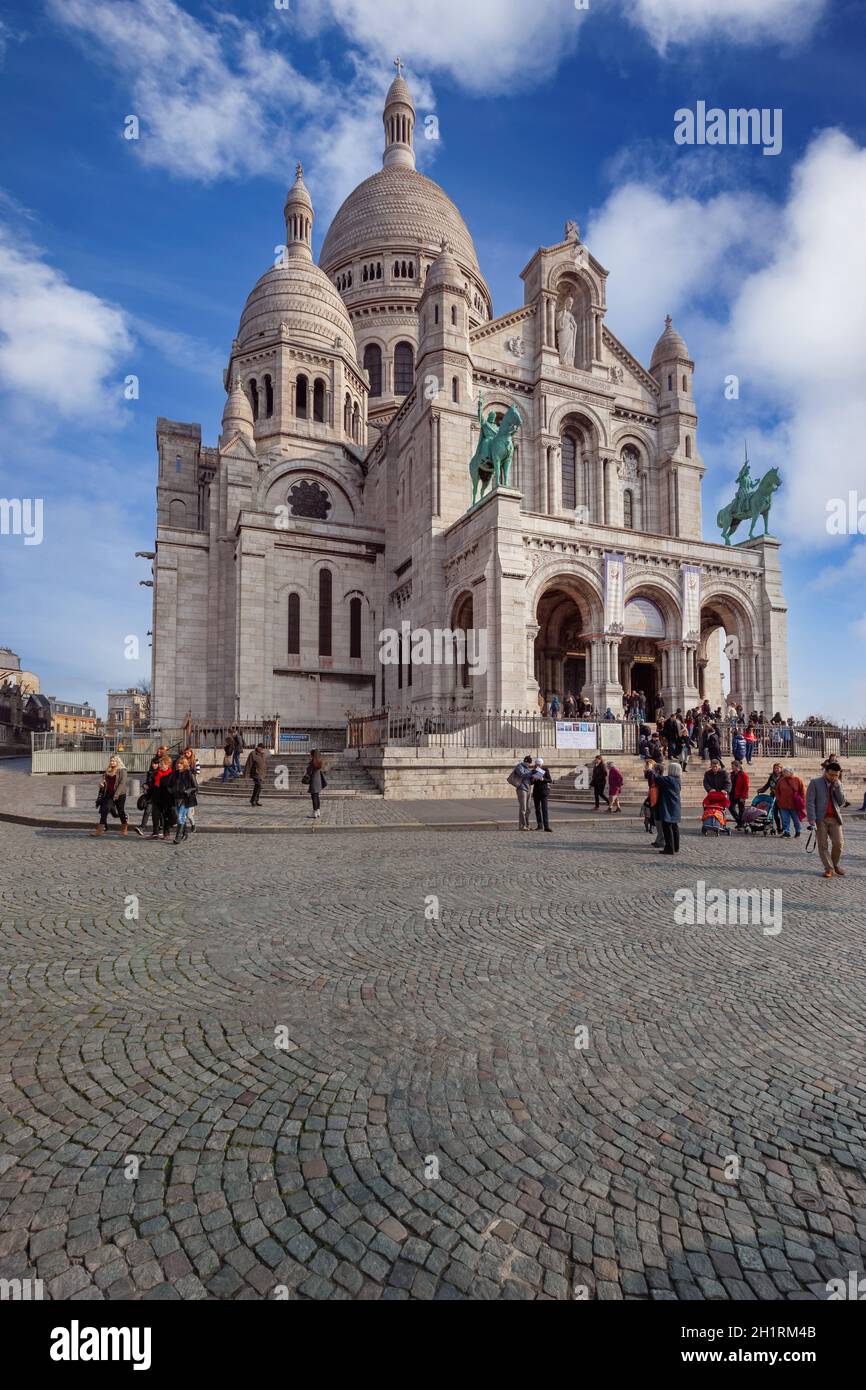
(325,589)
(364,275)
(254,398)
(178,464)
(355,628)
(319,401)
(301,397)
(454,314)
(177,512)
(356,424)
(373,365)
(670,382)
(435,313)
(411,270)
(455,390)
(379,271)
(294,633)
(628,509)
(688,447)
(269,397)
(404,369)
(685,386)
(396,270)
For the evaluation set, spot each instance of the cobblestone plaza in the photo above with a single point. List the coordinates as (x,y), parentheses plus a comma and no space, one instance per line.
(351,1064)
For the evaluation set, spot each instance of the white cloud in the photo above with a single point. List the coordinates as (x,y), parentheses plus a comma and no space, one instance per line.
(689,245)
(773,294)
(667,22)
(61,348)
(485,45)
(182,350)
(217,103)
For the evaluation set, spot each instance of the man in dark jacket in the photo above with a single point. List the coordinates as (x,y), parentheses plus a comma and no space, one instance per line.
(714,747)
(717,779)
(540,787)
(238,741)
(256,767)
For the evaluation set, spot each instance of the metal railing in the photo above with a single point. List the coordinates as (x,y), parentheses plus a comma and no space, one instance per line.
(468,728)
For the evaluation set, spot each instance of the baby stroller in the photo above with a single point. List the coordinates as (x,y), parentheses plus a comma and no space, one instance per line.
(759,816)
(714,821)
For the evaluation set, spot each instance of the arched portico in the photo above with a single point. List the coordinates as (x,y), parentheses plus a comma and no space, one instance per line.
(732,616)
(566,653)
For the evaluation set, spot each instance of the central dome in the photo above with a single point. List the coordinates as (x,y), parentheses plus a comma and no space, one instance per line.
(399,206)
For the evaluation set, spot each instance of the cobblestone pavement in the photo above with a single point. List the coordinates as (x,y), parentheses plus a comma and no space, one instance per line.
(290,1077)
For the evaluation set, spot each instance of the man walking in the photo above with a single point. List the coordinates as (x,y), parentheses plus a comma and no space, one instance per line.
(824,801)
(256,767)
(238,741)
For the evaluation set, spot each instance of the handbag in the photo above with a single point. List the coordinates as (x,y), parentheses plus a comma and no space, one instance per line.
(324,781)
(142,801)
(306,779)
(514,778)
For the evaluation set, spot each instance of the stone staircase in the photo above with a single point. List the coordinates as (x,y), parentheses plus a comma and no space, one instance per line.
(344,774)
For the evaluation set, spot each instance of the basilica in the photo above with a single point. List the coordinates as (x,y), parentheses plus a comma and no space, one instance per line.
(337,504)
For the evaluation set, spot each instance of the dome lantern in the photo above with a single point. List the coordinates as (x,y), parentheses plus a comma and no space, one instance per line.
(399,121)
(299,218)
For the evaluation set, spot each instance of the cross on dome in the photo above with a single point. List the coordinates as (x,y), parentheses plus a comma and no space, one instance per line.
(398,64)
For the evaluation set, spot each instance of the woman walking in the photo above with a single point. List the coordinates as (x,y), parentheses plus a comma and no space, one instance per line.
(669,808)
(112,793)
(598,781)
(183,788)
(161,800)
(314,778)
(614,786)
(228,760)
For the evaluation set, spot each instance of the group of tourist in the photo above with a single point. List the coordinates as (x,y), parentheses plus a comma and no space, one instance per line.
(570,707)
(169,796)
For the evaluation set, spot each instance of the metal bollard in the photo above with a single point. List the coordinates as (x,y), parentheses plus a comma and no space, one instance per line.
(67,795)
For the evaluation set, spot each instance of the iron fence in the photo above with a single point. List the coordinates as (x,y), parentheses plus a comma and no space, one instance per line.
(469,728)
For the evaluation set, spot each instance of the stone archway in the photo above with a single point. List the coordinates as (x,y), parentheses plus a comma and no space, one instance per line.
(729,630)
(568,620)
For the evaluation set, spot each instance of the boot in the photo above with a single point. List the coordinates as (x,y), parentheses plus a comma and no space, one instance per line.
(186,830)
(124,829)
(178,835)
(100,830)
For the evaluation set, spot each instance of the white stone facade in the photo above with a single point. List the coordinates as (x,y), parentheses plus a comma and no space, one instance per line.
(337,504)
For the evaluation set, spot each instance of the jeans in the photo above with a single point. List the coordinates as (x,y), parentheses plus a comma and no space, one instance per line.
(228,772)
(316,799)
(831,842)
(789,819)
(182,813)
(541,821)
(671,832)
(599,793)
(256,798)
(523,808)
(738,807)
(105,807)
(750,748)
(236,765)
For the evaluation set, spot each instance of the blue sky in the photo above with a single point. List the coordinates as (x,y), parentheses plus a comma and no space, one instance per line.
(123,257)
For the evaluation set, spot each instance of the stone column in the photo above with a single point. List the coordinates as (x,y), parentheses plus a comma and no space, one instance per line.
(599,490)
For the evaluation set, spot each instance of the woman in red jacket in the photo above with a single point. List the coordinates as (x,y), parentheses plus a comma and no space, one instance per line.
(739,792)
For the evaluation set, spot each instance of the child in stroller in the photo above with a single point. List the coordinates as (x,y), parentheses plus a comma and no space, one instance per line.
(713,818)
(759,816)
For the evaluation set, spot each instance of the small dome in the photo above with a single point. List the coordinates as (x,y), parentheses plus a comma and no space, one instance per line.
(445,272)
(670,346)
(301,296)
(399,92)
(238,413)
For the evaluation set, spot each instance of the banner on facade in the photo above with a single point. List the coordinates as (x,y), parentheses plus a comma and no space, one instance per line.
(576,734)
(614,585)
(691,603)
(611,737)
